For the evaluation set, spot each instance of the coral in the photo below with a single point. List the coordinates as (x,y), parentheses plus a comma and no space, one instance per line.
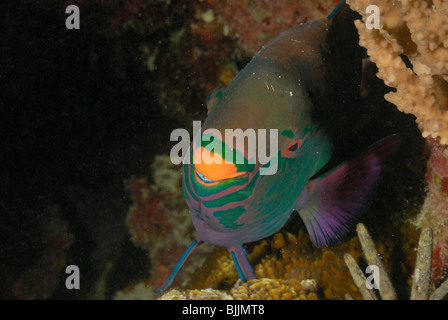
(286,258)
(417,30)
(254,23)
(276,289)
(294,257)
(205,294)
(421,283)
(142,290)
(159,221)
(217,272)
(387,291)
(434,213)
(256,289)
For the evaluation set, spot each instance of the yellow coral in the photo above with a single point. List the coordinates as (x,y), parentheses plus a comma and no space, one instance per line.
(217,272)
(418,30)
(275,289)
(294,257)
(205,294)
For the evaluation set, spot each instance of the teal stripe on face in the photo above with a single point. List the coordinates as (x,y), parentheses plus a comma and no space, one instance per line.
(236,156)
(228,217)
(204,190)
(186,185)
(288,133)
(233,197)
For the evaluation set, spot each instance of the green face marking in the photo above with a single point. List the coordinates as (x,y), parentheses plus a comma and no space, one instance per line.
(288,133)
(219,94)
(220,147)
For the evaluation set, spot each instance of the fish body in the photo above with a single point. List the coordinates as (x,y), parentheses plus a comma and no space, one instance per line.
(232,204)
(272,91)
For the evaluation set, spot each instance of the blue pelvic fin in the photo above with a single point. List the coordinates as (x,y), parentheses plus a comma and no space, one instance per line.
(242,264)
(336,10)
(179,265)
(333,202)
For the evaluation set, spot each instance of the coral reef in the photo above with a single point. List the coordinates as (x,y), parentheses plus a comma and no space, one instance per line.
(434,213)
(256,289)
(373,258)
(286,257)
(142,290)
(254,23)
(410,50)
(294,257)
(418,31)
(275,289)
(204,41)
(159,221)
(421,279)
(218,272)
(205,294)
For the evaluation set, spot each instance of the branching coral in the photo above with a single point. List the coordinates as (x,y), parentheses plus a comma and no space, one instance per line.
(434,213)
(421,282)
(417,30)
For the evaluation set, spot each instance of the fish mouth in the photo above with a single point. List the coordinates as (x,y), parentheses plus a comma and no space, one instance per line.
(206,180)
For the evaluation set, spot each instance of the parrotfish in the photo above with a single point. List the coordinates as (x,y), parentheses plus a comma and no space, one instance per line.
(232,203)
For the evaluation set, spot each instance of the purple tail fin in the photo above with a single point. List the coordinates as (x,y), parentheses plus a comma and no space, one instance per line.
(243,266)
(179,265)
(331,203)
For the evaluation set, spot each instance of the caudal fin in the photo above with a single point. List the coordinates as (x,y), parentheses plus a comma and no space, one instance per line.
(331,203)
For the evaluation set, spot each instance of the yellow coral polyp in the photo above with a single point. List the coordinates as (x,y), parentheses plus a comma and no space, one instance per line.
(274,289)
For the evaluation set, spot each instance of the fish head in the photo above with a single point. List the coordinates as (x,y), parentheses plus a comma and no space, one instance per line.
(255,152)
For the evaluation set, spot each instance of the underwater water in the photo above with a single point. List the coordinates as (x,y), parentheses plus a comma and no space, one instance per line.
(87,185)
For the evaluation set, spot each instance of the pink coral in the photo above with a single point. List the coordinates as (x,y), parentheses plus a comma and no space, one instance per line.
(435,208)
(159,222)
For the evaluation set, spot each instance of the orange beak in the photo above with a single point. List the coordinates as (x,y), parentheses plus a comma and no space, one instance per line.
(213,166)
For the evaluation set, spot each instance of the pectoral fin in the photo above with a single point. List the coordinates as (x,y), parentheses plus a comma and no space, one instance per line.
(331,203)
(242,264)
(179,265)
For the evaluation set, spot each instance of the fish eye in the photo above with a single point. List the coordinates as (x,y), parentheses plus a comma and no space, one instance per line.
(293,146)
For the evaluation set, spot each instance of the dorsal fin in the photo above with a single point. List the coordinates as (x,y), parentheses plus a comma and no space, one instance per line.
(336,10)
